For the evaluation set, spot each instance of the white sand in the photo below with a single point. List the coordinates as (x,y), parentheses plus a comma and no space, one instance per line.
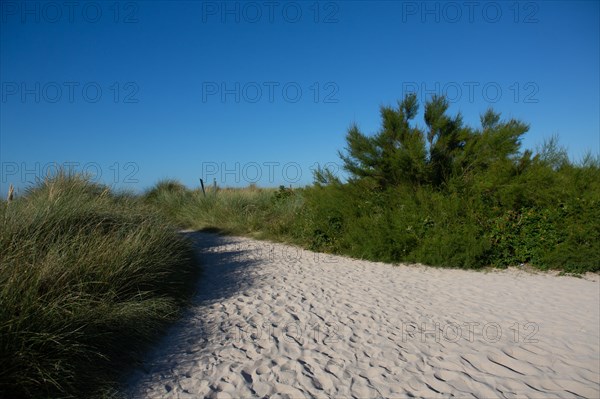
(272,320)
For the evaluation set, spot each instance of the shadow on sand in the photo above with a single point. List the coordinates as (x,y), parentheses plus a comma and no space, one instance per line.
(226,273)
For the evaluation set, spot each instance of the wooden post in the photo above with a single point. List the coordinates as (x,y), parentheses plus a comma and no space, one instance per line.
(215,184)
(202,185)
(11,193)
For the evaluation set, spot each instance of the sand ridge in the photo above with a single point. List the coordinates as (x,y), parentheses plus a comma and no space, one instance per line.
(272,320)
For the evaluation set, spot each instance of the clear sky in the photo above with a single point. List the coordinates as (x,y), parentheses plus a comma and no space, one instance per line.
(132,92)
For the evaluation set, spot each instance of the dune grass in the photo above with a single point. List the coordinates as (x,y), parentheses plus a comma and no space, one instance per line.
(254,211)
(88,278)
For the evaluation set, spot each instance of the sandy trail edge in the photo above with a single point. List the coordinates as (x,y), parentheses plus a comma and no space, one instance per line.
(274,320)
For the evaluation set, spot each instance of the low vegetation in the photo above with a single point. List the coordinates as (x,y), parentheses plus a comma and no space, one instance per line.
(259,212)
(88,278)
(444,195)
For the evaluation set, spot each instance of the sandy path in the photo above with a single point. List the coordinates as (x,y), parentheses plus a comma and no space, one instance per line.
(272,320)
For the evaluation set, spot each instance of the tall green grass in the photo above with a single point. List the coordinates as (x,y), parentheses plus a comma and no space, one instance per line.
(260,212)
(88,278)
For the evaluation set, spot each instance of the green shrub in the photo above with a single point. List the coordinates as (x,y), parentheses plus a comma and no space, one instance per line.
(578,248)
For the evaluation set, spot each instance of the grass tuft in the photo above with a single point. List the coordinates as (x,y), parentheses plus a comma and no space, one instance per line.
(88,278)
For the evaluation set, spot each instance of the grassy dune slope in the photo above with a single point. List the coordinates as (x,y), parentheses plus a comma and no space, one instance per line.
(87,279)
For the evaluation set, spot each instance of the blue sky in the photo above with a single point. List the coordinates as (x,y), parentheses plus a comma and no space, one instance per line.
(132,92)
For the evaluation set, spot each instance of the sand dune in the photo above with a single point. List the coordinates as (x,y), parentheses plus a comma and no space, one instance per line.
(273,320)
